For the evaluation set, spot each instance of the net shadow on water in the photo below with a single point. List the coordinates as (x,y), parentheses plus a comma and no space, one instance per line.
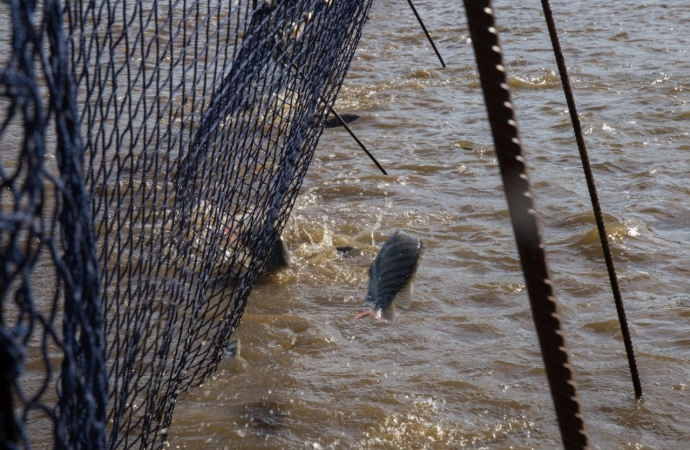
(162,147)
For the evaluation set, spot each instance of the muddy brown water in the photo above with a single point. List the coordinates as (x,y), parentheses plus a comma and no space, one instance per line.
(462,368)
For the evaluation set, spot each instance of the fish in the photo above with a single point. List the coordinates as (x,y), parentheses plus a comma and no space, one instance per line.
(347,250)
(333,122)
(232,350)
(279,256)
(391,276)
(262,418)
(237,237)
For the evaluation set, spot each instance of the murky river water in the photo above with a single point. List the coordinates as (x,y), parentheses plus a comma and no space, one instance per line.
(462,367)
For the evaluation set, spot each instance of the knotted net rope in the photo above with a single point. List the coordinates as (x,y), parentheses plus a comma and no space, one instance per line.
(151,154)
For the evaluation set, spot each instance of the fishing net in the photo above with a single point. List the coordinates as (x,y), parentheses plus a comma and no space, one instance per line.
(151,154)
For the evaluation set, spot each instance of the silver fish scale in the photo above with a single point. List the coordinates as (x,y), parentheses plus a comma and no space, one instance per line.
(393,268)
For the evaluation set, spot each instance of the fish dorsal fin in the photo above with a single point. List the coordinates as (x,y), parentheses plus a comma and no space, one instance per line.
(404,297)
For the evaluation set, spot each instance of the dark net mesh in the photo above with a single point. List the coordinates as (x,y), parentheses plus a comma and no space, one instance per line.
(151,153)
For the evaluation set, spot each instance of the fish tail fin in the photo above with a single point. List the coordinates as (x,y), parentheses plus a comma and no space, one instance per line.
(404,297)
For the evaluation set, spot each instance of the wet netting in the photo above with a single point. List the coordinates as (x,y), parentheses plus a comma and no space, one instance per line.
(150,154)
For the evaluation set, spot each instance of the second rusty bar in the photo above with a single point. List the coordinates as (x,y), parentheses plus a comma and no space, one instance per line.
(523,215)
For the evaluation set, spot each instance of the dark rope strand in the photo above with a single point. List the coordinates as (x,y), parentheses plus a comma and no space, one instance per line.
(342,122)
(620,308)
(10,360)
(525,224)
(84,380)
(428,36)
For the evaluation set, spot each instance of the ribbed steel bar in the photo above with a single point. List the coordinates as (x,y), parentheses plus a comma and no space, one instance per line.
(599,217)
(525,224)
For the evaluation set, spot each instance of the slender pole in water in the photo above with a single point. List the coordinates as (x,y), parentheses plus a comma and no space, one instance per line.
(608,257)
(342,122)
(545,310)
(428,36)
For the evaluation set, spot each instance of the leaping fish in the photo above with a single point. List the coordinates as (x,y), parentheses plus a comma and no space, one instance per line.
(391,276)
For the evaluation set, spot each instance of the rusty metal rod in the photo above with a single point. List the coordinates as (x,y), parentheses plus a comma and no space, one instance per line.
(545,309)
(599,217)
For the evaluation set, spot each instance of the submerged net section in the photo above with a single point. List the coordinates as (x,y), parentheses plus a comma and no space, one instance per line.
(151,154)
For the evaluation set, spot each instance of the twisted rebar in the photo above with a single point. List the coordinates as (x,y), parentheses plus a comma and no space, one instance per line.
(525,224)
(599,217)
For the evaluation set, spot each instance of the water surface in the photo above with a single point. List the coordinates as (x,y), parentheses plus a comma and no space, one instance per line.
(462,367)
